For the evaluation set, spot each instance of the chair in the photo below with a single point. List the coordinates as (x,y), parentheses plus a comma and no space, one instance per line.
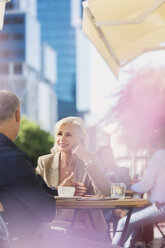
(160,230)
(160,226)
(4,233)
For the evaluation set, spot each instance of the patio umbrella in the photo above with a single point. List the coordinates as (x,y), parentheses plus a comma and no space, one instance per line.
(2,12)
(121,30)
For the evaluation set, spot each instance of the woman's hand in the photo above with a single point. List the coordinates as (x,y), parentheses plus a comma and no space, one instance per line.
(81,190)
(68,181)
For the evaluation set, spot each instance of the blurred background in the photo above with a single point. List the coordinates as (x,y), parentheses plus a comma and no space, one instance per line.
(56,71)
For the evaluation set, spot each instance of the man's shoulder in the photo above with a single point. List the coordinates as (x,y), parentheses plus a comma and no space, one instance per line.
(8,152)
(14,161)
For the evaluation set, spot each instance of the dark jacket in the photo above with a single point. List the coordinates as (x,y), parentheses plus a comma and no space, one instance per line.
(22,193)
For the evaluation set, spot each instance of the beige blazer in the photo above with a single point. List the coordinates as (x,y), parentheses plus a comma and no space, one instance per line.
(92,177)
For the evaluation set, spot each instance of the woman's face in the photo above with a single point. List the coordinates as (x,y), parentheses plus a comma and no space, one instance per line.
(67,137)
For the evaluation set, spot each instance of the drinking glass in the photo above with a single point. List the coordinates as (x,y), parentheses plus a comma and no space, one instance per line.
(118,190)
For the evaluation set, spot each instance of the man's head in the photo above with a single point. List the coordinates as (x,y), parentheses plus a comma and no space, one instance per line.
(105,155)
(9,114)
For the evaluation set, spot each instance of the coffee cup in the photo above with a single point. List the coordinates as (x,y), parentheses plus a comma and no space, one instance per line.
(65,191)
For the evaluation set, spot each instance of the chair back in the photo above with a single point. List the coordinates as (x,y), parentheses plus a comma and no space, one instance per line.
(4,233)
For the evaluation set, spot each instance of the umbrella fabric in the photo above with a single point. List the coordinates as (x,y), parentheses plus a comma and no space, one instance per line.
(121,30)
(2,12)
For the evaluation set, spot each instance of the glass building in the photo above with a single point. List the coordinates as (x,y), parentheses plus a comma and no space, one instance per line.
(26,64)
(58,32)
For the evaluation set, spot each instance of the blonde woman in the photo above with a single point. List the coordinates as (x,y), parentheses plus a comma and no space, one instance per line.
(69,164)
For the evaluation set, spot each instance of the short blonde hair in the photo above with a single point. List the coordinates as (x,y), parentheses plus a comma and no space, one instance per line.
(77,122)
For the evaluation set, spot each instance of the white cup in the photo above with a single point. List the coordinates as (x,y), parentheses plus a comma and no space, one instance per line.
(66,191)
(118,190)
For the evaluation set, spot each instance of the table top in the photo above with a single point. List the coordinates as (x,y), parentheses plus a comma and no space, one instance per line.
(97,204)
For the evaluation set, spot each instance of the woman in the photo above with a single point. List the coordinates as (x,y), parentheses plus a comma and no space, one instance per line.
(152,183)
(70,164)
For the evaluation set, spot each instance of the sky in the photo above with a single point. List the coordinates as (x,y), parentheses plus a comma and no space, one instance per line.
(105,85)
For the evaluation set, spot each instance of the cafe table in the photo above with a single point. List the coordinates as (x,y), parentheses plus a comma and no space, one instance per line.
(89,203)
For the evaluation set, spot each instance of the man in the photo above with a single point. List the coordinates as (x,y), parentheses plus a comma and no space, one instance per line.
(23,194)
(24,199)
(115,174)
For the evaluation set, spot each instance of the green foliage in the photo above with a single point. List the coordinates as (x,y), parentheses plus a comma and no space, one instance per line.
(33,140)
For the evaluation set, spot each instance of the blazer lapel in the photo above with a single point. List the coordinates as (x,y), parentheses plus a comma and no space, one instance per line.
(81,174)
(79,170)
(54,170)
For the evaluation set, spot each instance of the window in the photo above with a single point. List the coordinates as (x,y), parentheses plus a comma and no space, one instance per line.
(14,20)
(17,53)
(17,68)
(6,53)
(4,37)
(18,20)
(7,20)
(18,36)
(11,53)
(9,6)
(4,69)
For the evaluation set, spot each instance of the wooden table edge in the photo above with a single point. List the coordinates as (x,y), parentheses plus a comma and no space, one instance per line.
(89,204)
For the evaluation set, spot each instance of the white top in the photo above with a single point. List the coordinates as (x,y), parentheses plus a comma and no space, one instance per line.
(154,178)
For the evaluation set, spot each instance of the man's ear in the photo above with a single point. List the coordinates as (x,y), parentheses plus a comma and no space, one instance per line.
(17,115)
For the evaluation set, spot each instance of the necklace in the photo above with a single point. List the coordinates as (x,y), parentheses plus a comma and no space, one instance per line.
(68,169)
